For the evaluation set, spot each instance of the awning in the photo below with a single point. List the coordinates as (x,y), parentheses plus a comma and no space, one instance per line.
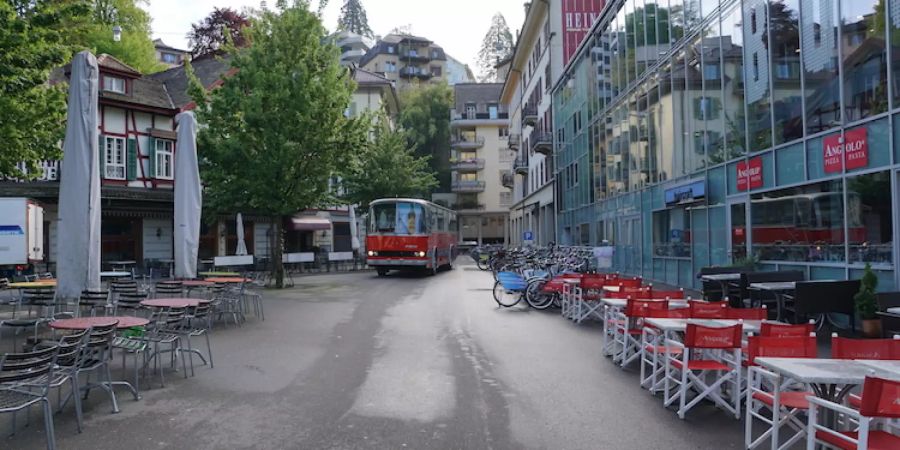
(310,223)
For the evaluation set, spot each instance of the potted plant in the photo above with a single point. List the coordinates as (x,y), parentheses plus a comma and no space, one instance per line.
(866,304)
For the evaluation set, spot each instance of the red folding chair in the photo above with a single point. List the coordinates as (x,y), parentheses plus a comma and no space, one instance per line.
(771,329)
(674,294)
(746,313)
(766,390)
(707,310)
(630,282)
(652,347)
(715,350)
(629,325)
(847,348)
(878,411)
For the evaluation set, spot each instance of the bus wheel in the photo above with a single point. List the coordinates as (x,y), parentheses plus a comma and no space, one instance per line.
(381,272)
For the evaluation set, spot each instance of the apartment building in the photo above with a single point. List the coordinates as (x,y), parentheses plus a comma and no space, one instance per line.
(353,46)
(480,162)
(170,56)
(548,38)
(406,60)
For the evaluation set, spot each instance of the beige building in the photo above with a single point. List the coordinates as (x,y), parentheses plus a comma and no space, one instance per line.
(170,56)
(480,161)
(407,60)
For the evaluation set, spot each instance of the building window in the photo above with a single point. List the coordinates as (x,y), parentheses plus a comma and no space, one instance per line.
(706,108)
(711,72)
(755,66)
(390,49)
(165,161)
(114,158)
(470,111)
(170,58)
(113,84)
(753,20)
(390,66)
(493,111)
(503,132)
(672,233)
(436,71)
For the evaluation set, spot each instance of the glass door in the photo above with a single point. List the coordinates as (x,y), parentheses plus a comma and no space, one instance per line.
(738,229)
(630,244)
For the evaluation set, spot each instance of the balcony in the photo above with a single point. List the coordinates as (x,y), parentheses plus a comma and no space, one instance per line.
(467,164)
(468,186)
(514,141)
(463,141)
(542,142)
(413,71)
(520,166)
(468,206)
(507,179)
(414,55)
(529,114)
(471,119)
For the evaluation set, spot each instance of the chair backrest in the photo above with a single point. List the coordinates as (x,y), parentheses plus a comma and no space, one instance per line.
(123,286)
(100,338)
(847,348)
(887,300)
(638,307)
(817,297)
(169,289)
(701,336)
(173,317)
(71,348)
(201,311)
(783,330)
(42,297)
(674,313)
(880,398)
(28,367)
(672,294)
(707,310)
(782,275)
(781,347)
(93,297)
(630,282)
(747,313)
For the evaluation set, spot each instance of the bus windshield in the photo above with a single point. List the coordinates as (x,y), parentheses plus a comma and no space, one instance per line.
(399,218)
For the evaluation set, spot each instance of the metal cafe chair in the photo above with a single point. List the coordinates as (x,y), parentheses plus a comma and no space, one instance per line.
(25,381)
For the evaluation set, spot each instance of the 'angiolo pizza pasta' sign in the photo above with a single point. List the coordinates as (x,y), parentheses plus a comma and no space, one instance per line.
(852,149)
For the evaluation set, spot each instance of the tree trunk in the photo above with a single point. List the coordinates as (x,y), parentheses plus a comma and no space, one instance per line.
(277,252)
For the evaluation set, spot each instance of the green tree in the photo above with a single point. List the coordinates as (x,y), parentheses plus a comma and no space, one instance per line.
(275,132)
(388,167)
(425,115)
(136,45)
(33,112)
(353,18)
(496,46)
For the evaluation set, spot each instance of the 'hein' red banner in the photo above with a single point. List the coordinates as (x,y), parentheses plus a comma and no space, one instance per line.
(854,150)
(577,16)
(749,174)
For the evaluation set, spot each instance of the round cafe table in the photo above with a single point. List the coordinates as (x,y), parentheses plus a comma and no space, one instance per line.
(83,323)
(197,283)
(228,280)
(39,284)
(173,302)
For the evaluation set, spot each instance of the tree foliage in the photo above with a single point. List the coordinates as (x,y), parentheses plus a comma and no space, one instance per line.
(496,46)
(221,26)
(388,167)
(33,42)
(136,45)
(353,18)
(275,132)
(425,115)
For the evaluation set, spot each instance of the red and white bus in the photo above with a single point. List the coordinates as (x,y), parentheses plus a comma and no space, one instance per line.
(407,233)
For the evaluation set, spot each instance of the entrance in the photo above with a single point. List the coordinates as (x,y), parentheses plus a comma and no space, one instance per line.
(738,229)
(630,244)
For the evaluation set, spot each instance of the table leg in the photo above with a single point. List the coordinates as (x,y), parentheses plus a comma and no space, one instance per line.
(779,305)
(832,393)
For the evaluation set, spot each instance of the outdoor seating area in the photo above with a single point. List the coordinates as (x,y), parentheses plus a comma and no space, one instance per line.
(755,349)
(128,336)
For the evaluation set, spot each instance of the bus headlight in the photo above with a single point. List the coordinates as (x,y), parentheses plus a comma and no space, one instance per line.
(373,253)
(420,254)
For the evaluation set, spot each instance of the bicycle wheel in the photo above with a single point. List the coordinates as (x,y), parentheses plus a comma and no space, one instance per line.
(482,264)
(536,298)
(504,297)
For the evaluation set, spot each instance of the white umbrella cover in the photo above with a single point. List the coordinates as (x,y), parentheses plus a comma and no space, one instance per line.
(241,245)
(354,238)
(188,197)
(78,251)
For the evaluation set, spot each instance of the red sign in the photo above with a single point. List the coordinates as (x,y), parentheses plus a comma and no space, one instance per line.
(749,174)
(577,16)
(853,149)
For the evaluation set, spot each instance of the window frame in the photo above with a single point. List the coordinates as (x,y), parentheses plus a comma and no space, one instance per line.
(110,87)
(108,145)
(157,153)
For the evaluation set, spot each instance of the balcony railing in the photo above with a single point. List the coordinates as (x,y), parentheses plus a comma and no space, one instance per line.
(468,186)
(514,141)
(467,164)
(413,71)
(500,115)
(520,166)
(542,142)
(529,114)
(414,55)
(462,141)
(507,179)
(468,206)
(47,171)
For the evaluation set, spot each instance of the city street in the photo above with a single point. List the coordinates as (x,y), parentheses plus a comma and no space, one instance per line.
(357,361)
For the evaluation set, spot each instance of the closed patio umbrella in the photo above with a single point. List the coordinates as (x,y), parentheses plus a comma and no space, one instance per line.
(241,245)
(354,238)
(188,197)
(78,251)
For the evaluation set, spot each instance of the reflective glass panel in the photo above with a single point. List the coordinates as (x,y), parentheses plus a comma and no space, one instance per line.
(864,59)
(819,23)
(786,93)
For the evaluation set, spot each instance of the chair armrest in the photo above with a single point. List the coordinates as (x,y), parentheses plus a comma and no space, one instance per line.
(813,400)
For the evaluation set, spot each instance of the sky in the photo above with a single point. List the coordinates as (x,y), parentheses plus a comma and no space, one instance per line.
(458,26)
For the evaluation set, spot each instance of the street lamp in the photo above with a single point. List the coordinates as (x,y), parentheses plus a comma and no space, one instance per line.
(117,33)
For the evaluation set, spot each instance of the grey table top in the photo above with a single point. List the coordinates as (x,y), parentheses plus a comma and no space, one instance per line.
(680,325)
(721,277)
(824,371)
(775,286)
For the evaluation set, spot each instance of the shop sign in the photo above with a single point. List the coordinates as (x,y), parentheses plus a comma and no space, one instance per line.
(687,193)
(749,174)
(852,148)
(578,16)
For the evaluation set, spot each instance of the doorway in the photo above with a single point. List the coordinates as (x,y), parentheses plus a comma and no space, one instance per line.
(738,229)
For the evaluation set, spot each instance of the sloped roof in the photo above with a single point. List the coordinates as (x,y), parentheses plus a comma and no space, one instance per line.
(110,62)
(362,76)
(144,91)
(160,45)
(208,69)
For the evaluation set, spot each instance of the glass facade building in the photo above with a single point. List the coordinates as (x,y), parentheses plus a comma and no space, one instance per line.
(692,133)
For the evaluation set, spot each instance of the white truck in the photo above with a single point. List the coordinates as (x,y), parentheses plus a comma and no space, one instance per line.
(21,235)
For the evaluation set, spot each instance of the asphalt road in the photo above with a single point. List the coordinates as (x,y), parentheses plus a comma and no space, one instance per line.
(355,361)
